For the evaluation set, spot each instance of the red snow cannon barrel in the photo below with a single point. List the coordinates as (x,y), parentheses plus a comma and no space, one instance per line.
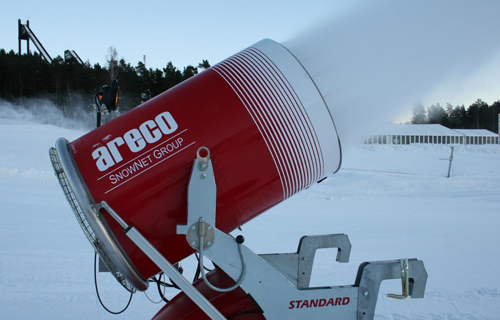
(269,132)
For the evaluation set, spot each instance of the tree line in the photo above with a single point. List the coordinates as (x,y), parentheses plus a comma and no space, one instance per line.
(478,115)
(69,84)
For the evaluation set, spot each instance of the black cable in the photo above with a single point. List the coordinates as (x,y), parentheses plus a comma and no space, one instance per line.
(164,283)
(161,293)
(197,273)
(198,258)
(160,283)
(97,291)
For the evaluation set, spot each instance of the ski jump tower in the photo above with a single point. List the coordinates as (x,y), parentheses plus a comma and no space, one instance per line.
(25,33)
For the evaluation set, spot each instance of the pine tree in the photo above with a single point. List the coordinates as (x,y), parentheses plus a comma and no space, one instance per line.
(188,72)
(419,115)
(473,120)
(437,115)
(204,65)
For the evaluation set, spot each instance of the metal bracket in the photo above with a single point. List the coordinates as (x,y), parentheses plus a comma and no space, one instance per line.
(307,250)
(201,193)
(371,274)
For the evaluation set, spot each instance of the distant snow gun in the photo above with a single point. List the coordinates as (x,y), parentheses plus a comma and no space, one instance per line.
(106,100)
(176,175)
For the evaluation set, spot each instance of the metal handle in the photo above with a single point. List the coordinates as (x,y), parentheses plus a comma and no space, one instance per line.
(405,281)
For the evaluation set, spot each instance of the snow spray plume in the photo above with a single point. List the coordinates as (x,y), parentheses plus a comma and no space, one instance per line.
(384,56)
(45,112)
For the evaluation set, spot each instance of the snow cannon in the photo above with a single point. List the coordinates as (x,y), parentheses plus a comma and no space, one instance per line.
(175,175)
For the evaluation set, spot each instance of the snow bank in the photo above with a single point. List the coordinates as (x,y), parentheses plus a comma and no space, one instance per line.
(392,201)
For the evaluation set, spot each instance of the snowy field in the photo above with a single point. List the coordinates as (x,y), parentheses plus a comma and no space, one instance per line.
(392,201)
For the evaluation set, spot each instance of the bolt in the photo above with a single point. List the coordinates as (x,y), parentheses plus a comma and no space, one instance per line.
(365,293)
(203,176)
(209,228)
(193,243)
(209,243)
(193,227)
(203,166)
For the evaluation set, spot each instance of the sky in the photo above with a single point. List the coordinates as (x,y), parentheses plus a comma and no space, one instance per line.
(396,52)
(184,32)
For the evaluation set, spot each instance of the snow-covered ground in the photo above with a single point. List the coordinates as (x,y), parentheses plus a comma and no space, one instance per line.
(392,201)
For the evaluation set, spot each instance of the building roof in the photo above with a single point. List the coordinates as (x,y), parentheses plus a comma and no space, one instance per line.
(431,130)
(418,130)
(476,133)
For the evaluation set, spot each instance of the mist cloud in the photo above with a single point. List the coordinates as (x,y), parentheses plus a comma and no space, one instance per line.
(45,112)
(383,56)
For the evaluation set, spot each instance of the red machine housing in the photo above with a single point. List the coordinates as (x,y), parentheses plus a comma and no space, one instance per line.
(268,130)
(236,303)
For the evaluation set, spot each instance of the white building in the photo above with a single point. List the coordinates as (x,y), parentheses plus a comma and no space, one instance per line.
(431,133)
(478,136)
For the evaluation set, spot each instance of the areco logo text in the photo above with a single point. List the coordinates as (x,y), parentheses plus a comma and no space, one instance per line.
(136,140)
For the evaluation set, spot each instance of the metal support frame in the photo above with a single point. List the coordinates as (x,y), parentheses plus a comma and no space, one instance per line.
(278,283)
(297,267)
(166,266)
(371,274)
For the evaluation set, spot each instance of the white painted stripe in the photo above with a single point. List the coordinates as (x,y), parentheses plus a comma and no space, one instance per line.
(280,116)
(300,148)
(276,110)
(290,107)
(302,111)
(253,106)
(285,89)
(298,109)
(287,117)
(285,150)
(302,88)
(274,121)
(245,103)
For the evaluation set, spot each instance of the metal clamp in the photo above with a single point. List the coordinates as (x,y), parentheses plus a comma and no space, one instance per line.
(198,229)
(405,281)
